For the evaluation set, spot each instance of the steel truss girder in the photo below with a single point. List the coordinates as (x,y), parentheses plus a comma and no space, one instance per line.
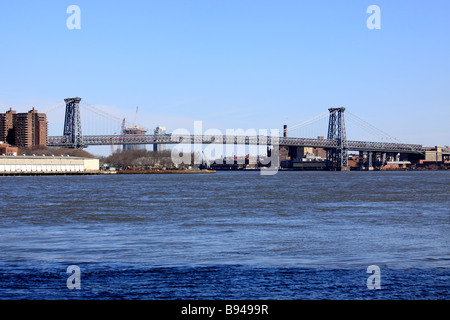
(97,140)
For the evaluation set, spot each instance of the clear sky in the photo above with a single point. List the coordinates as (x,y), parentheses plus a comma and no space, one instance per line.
(234,63)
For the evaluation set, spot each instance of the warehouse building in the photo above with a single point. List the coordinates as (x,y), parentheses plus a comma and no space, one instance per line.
(48,165)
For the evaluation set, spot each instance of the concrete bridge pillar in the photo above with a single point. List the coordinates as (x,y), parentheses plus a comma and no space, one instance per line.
(370,161)
(389,156)
(383,158)
(361,160)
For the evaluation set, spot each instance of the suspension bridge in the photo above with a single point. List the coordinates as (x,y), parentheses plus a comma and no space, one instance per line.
(336,144)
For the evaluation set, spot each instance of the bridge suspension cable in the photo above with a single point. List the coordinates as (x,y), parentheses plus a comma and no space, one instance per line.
(60,104)
(101,112)
(308,122)
(370,128)
(107,115)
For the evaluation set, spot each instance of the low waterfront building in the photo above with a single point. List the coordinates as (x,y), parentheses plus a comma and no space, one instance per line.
(7,150)
(396,165)
(47,165)
(434,154)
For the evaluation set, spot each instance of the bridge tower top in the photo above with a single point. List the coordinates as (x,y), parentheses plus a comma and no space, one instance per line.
(340,109)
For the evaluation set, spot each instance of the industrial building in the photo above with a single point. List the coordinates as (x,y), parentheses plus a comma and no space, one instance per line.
(24,129)
(308,158)
(47,165)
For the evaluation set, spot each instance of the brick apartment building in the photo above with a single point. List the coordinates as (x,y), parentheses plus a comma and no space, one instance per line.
(7,126)
(24,129)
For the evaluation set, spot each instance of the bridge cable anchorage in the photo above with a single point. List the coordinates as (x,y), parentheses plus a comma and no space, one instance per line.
(370,128)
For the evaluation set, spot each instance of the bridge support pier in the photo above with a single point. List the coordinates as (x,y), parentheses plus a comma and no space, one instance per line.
(383,158)
(367,160)
(361,160)
(370,161)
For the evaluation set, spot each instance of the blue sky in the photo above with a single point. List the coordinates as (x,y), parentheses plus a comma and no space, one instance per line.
(234,63)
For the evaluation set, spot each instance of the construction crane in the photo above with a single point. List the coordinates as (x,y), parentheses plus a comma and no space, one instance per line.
(135,117)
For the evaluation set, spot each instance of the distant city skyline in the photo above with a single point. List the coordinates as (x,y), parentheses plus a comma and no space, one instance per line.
(233,64)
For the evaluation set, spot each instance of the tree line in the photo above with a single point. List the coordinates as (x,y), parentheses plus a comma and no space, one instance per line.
(144,160)
(126,159)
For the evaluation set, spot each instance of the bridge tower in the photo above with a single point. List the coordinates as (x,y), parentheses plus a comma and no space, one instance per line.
(72,123)
(337,159)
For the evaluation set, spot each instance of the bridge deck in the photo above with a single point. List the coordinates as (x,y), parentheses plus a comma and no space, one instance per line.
(97,140)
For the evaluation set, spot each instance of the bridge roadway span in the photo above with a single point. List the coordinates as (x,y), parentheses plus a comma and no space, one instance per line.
(97,140)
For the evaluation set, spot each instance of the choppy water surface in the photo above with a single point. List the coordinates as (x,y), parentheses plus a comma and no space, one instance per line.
(228,235)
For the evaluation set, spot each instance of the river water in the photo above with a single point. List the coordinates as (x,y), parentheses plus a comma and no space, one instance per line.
(226,235)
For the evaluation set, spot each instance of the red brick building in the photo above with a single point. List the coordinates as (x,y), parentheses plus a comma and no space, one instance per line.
(7,126)
(24,129)
(7,150)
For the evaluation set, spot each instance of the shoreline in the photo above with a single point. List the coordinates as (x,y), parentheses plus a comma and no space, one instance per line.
(202,171)
(16,174)
(162,171)
(105,172)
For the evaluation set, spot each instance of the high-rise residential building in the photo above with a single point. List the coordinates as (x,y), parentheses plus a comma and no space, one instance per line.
(39,128)
(7,126)
(24,129)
